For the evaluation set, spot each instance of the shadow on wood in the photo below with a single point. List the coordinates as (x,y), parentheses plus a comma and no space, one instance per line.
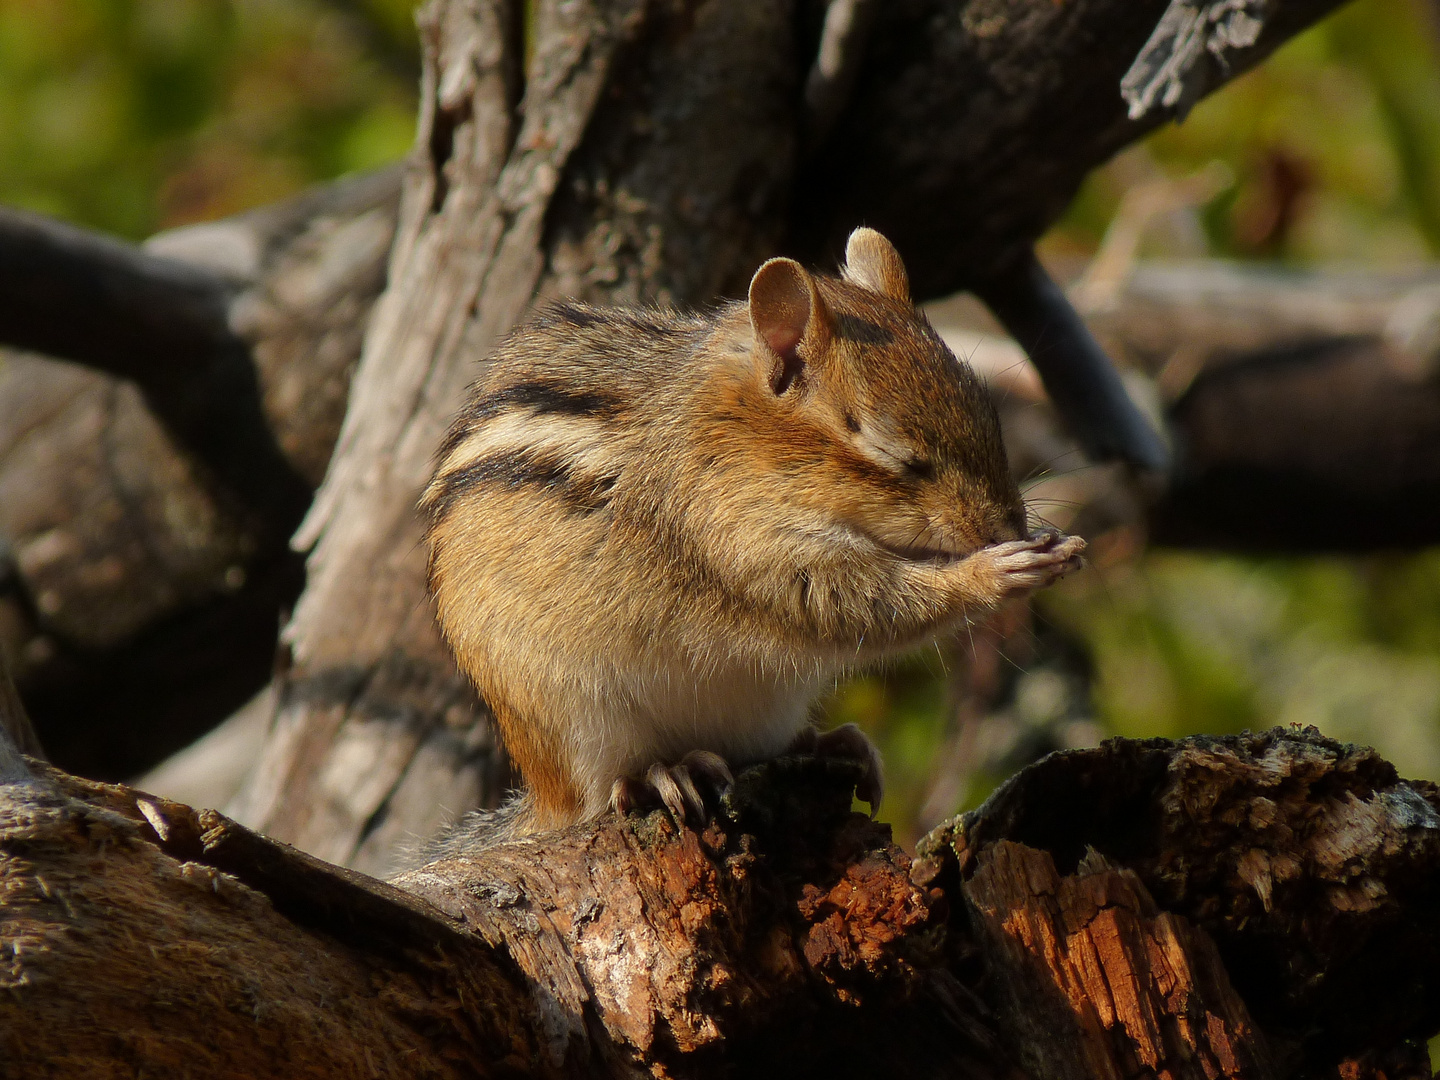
(1095,898)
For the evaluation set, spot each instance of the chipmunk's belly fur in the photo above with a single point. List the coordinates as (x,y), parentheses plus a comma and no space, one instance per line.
(661,709)
(562,626)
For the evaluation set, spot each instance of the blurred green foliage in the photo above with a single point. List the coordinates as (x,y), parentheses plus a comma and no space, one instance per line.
(1185,643)
(1334,143)
(137,115)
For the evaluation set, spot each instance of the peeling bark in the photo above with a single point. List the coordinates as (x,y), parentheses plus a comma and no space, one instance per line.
(1096,982)
(1307,860)
(1074,926)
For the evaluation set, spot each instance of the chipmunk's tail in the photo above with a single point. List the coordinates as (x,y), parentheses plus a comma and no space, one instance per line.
(514,818)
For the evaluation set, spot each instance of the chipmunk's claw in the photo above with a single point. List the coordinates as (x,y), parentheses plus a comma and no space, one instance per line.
(626,794)
(674,787)
(848,741)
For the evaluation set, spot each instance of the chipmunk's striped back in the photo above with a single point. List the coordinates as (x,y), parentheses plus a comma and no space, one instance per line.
(655,534)
(545,414)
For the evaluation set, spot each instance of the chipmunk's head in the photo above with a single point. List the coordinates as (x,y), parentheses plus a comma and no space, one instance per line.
(873,422)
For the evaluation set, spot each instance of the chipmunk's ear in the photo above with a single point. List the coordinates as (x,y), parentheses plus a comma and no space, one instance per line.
(872,262)
(789,318)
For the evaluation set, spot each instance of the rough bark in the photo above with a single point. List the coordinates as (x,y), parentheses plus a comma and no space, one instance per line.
(1303,858)
(788,937)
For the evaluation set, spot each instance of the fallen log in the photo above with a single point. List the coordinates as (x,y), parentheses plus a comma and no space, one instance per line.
(1099,917)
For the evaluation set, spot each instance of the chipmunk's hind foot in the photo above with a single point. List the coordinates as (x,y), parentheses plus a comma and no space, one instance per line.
(848,741)
(675,787)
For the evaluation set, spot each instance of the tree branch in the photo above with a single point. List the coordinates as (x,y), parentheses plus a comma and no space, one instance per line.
(139,597)
(70,293)
(972,125)
(787,937)
(1081,381)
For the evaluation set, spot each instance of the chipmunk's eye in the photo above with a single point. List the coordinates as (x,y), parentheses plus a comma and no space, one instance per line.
(851,424)
(920,468)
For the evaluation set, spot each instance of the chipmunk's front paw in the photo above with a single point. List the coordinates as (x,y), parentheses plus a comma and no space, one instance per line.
(1018,567)
(848,741)
(675,787)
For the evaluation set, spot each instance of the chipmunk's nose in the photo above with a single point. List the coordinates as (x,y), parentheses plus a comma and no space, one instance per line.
(1007,525)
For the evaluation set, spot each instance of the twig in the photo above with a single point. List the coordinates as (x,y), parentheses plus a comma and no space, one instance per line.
(1078,376)
(1189,53)
(1104,279)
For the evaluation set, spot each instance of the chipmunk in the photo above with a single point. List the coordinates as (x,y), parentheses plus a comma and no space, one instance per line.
(657,537)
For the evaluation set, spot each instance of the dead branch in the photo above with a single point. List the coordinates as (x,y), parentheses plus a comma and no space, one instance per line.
(1303,858)
(159,323)
(971,126)
(1303,407)
(1100,889)
(1078,377)
(139,597)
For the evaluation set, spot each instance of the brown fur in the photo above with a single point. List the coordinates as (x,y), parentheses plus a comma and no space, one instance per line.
(654,532)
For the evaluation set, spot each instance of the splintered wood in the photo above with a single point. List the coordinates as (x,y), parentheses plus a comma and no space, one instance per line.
(789,937)
(665,947)
(1096,982)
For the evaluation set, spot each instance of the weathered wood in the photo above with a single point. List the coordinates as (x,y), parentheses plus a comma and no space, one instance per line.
(158,322)
(1094,981)
(676,208)
(127,953)
(788,937)
(785,938)
(139,596)
(1309,862)
(1253,363)
(972,125)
